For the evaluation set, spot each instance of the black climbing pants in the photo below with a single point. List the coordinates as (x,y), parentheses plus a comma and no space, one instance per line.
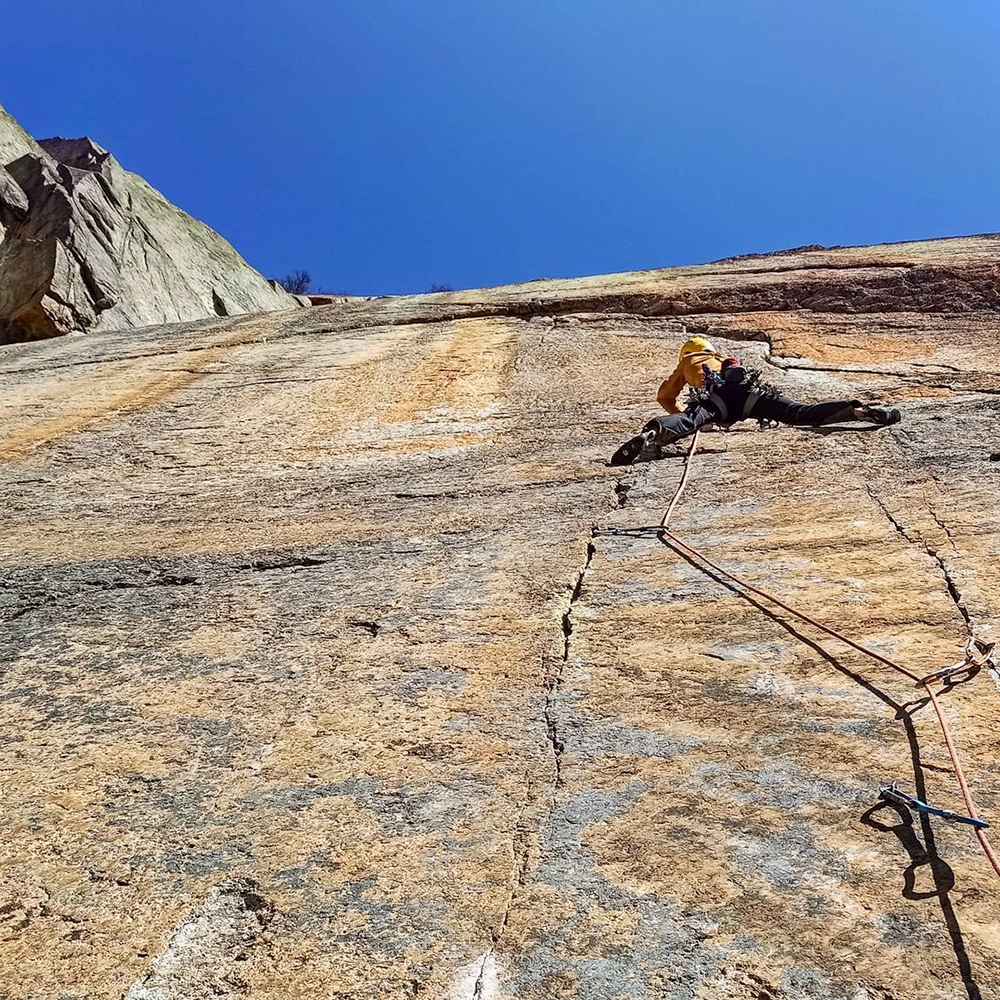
(674,426)
(768,406)
(787,411)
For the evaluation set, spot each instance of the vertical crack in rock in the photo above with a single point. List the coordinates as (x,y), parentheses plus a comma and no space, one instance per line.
(552,670)
(567,618)
(477,989)
(949,580)
(944,527)
(520,860)
(552,680)
(484,985)
(956,594)
(200,960)
(622,488)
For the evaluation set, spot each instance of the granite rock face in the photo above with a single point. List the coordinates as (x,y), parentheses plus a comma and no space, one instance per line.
(14,143)
(318,682)
(88,246)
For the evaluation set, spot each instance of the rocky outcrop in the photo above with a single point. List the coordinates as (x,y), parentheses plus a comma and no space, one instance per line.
(88,246)
(14,143)
(324,677)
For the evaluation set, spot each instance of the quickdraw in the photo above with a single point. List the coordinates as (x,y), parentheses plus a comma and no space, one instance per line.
(891,793)
(978,654)
(643,531)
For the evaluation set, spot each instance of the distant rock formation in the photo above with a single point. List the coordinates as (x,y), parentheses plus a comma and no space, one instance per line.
(85,245)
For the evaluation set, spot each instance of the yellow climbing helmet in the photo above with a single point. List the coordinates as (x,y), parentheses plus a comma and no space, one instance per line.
(695,345)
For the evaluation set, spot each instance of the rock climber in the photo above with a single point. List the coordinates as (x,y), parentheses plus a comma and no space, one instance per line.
(724,391)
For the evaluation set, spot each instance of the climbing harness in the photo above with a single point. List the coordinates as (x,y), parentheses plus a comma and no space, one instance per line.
(977,652)
(714,391)
(891,793)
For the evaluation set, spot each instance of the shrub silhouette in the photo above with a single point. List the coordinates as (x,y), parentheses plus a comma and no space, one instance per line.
(297,283)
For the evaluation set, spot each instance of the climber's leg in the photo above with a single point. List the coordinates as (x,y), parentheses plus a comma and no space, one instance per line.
(664,430)
(787,411)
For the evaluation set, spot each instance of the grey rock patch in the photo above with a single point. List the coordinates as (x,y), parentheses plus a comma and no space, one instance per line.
(775,783)
(392,929)
(863,727)
(222,859)
(902,929)
(750,652)
(398,810)
(807,984)
(675,957)
(826,692)
(790,859)
(587,739)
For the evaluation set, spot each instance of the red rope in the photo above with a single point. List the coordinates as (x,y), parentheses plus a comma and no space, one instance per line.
(926,684)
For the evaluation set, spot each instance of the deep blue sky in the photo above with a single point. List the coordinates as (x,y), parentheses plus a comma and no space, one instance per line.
(385,145)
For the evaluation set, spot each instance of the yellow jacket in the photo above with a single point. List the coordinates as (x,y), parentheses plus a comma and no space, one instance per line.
(689,371)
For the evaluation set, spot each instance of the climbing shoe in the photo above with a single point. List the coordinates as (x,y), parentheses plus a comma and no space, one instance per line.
(880,415)
(631,449)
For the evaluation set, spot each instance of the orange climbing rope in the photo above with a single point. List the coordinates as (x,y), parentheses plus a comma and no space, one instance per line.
(665,520)
(924,682)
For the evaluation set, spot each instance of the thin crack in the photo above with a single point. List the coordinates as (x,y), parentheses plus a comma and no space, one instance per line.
(949,580)
(39,600)
(552,676)
(269,565)
(956,594)
(538,484)
(622,488)
(944,527)
(88,586)
(113,358)
(552,730)
(477,989)
(567,618)
(520,862)
(788,366)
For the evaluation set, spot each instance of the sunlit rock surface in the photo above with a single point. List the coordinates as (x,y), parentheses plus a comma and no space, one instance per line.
(318,682)
(88,246)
